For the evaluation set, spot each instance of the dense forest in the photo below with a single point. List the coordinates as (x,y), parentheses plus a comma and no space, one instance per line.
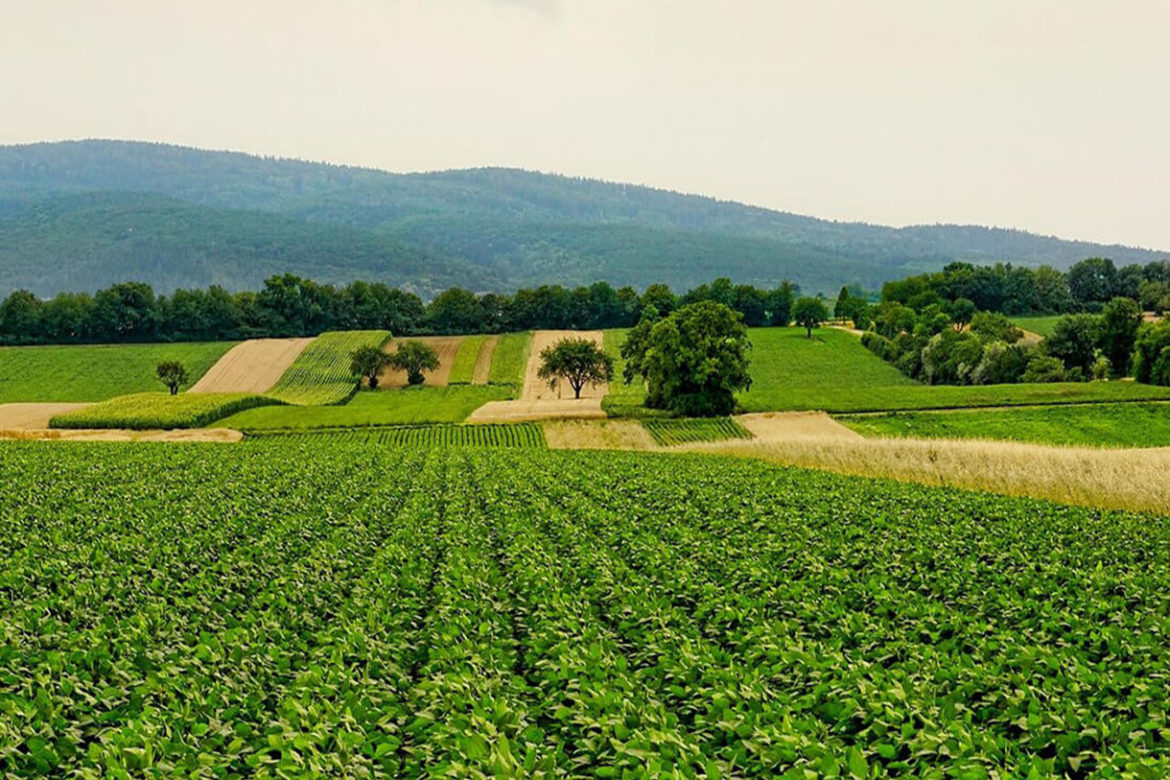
(82,215)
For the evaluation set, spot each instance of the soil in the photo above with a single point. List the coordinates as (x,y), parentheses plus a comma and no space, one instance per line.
(251,367)
(597,435)
(778,426)
(445,346)
(32,416)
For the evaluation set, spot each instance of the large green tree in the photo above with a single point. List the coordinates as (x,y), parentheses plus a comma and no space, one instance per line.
(809,313)
(414,357)
(368,362)
(693,361)
(1074,341)
(1120,320)
(577,361)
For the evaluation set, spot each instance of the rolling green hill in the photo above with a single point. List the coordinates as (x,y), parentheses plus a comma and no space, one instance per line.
(485,228)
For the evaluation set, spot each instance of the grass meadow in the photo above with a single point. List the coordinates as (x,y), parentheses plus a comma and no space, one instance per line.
(1110,425)
(90,372)
(1043,325)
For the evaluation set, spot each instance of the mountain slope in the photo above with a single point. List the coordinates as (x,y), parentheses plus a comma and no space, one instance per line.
(518,227)
(82,242)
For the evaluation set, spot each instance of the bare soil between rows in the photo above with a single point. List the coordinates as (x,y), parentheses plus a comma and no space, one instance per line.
(446,347)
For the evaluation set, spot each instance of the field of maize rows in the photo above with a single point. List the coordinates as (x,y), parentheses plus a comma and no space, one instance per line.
(512,435)
(668,432)
(274,609)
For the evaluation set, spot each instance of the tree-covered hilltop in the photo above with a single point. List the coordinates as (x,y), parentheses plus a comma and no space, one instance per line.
(517,228)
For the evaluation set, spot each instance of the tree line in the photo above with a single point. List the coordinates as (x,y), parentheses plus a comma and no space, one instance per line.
(289,305)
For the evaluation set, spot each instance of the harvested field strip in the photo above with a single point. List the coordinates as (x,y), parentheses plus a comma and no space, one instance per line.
(463,368)
(510,359)
(320,374)
(536,389)
(27,416)
(446,347)
(1133,479)
(483,361)
(251,367)
(669,432)
(150,411)
(597,435)
(520,435)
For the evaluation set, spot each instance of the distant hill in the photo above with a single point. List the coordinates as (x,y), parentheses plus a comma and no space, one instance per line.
(190,217)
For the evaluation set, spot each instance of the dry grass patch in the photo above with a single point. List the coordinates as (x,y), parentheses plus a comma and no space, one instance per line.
(197,435)
(1109,479)
(597,435)
(25,416)
(778,426)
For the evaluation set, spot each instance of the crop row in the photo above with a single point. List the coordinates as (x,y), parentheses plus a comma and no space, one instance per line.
(668,432)
(146,411)
(320,375)
(517,435)
(281,609)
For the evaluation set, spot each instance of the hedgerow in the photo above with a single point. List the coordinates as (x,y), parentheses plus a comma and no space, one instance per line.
(281,609)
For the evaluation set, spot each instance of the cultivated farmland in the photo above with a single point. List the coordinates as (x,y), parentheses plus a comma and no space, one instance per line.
(519,435)
(668,432)
(282,609)
(320,374)
(146,411)
(96,372)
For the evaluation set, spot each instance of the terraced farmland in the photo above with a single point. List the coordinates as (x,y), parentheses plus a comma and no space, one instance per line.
(277,608)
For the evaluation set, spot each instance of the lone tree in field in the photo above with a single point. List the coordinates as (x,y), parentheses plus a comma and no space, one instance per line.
(579,362)
(693,361)
(368,362)
(414,357)
(172,374)
(809,313)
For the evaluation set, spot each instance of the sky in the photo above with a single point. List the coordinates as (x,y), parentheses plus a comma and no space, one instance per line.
(1046,115)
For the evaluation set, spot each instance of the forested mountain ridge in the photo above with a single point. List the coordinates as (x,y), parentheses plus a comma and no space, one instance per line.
(493,228)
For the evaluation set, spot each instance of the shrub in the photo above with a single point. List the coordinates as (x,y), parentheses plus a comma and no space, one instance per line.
(1150,356)
(1043,368)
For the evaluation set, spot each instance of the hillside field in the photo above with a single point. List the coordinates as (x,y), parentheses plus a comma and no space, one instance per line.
(89,372)
(384,611)
(399,406)
(1093,425)
(1044,325)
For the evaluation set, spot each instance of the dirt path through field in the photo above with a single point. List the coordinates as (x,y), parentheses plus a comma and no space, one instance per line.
(536,389)
(16,417)
(445,346)
(483,361)
(196,435)
(251,367)
(778,426)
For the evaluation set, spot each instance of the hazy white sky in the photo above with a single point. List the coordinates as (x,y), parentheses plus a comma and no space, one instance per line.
(1048,115)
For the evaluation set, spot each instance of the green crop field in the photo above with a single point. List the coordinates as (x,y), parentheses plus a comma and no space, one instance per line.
(510,359)
(1042,325)
(320,375)
(669,432)
(96,372)
(147,411)
(463,369)
(400,406)
(1116,425)
(282,609)
(622,400)
(514,435)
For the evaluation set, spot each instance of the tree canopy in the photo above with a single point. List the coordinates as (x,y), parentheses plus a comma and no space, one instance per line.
(414,357)
(693,362)
(577,361)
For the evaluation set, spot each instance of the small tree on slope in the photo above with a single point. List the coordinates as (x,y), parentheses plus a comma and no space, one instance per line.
(579,362)
(368,362)
(414,357)
(172,374)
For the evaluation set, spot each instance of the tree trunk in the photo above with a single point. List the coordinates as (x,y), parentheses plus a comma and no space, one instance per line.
(174,389)
(373,381)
